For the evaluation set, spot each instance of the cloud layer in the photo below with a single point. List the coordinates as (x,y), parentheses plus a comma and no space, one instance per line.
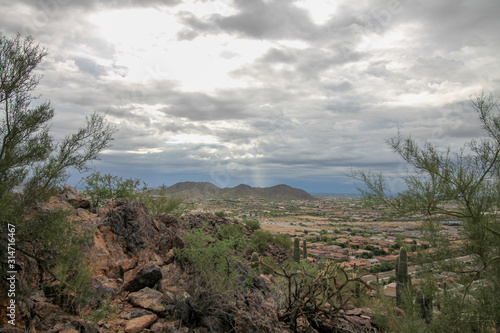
(267,91)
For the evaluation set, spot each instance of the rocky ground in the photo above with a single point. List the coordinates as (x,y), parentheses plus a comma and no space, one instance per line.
(136,275)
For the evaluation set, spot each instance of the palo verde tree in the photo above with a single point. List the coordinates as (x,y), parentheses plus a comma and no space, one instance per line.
(26,146)
(32,162)
(465,185)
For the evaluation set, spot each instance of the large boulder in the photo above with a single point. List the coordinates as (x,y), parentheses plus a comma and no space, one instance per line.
(127,236)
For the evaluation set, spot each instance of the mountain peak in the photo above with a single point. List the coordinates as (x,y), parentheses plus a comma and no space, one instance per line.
(206,190)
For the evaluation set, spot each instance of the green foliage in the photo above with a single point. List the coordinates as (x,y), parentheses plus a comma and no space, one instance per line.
(260,239)
(221,214)
(162,203)
(383,267)
(465,185)
(252,224)
(31,160)
(268,266)
(105,311)
(213,259)
(101,188)
(283,240)
(26,146)
(235,234)
(56,243)
(367,255)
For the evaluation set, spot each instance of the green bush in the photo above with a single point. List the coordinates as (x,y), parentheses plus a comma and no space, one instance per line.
(163,204)
(269,266)
(56,243)
(233,233)
(105,187)
(283,240)
(220,214)
(383,267)
(212,258)
(105,311)
(260,240)
(252,224)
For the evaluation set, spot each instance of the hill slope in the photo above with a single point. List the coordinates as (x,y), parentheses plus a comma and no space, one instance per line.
(205,190)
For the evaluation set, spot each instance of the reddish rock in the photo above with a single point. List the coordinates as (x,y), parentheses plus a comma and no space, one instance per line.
(75,326)
(136,325)
(149,299)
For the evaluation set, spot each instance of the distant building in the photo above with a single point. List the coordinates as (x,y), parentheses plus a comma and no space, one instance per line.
(390,290)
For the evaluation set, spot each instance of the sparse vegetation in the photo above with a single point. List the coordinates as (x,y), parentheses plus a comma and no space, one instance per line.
(101,188)
(162,203)
(315,292)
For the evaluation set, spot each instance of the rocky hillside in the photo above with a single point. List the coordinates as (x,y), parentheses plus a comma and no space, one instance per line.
(140,283)
(204,190)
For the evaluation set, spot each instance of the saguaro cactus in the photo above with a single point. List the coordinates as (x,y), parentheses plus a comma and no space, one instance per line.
(425,304)
(402,277)
(296,250)
(304,248)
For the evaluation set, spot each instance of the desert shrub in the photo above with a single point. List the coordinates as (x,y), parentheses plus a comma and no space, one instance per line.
(56,242)
(204,306)
(270,265)
(163,204)
(105,187)
(283,240)
(105,311)
(213,259)
(313,293)
(234,233)
(221,214)
(252,224)
(260,240)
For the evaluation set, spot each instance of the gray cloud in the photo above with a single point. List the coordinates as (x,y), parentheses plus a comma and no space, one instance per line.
(317,101)
(278,19)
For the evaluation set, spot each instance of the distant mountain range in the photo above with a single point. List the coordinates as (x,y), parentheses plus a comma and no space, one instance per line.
(205,190)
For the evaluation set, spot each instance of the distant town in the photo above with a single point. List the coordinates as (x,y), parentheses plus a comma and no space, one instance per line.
(342,228)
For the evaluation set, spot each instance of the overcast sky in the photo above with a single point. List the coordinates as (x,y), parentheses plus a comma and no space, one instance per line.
(263,92)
